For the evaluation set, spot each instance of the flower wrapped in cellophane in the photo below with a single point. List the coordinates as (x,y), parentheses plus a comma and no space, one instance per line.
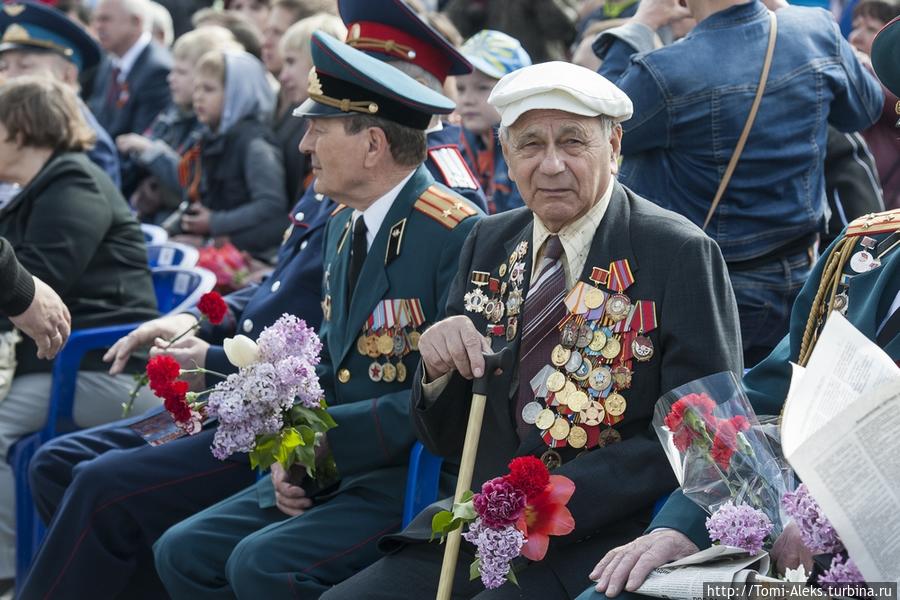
(720,453)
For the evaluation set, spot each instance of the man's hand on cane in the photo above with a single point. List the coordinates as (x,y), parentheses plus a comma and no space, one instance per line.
(453,344)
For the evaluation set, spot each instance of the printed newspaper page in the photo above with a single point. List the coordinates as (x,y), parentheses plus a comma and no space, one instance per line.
(684,579)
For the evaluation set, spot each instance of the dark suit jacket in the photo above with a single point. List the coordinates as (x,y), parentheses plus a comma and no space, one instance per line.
(148,93)
(675,265)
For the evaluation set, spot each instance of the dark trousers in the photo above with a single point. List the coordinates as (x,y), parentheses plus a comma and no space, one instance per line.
(413,572)
(108,496)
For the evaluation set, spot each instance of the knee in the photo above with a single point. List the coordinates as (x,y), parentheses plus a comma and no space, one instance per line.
(247,566)
(173,549)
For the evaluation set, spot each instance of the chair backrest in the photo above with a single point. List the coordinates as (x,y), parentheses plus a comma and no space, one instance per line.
(154,234)
(179,288)
(171,254)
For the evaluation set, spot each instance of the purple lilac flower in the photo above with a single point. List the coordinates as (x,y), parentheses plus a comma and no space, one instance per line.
(741,526)
(253,401)
(496,549)
(843,571)
(499,504)
(816,531)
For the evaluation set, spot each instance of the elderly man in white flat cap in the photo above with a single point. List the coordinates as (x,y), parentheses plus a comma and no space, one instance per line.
(607,302)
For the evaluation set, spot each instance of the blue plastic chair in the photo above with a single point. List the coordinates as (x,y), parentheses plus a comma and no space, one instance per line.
(177,288)
(154,234)
(171,254)
(421,481)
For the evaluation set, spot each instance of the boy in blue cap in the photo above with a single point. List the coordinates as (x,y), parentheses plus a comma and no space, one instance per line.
(493,54)
(394,242)
(40,40)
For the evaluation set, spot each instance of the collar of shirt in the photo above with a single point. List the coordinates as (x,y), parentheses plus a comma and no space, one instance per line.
(126,62)
(438,126)
(376,212)
(576,238)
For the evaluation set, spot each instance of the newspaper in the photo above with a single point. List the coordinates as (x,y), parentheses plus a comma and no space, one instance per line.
(684,579)
(841,434)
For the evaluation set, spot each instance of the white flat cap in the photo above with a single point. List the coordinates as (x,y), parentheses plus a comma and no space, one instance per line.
(561,86)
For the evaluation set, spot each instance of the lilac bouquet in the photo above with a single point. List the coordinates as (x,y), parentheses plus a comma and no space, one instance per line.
(820,538)
(740,526)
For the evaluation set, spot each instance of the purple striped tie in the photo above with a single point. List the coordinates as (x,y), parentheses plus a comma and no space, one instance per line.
(542,312)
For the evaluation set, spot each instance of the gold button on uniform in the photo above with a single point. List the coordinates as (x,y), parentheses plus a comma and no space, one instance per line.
(344,375)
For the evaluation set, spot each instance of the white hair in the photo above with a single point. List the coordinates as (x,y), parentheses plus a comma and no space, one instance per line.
(162,20)
(141,9)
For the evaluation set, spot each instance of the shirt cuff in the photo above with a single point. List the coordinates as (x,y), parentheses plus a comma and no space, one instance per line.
(430,391)
(637,35)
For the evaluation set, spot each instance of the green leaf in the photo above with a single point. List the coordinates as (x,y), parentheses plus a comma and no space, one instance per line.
(511,576)
(439,523)
(465,511)
(468,495)
(475,569)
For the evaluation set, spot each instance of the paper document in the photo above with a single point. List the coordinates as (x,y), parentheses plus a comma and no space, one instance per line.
(684,579)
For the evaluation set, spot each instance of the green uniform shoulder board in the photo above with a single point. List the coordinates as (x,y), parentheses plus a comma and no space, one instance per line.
(446,209)
(875,223)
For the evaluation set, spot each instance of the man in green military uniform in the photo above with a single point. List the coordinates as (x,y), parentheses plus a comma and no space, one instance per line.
(391,248)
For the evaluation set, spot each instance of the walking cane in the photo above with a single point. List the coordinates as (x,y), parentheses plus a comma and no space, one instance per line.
(492,362)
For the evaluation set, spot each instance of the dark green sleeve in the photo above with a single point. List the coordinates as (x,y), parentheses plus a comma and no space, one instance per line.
(17,290)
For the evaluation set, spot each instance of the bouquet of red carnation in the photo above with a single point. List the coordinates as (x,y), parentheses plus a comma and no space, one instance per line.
(230,265)
(512,516)
(718,449)
(212,308)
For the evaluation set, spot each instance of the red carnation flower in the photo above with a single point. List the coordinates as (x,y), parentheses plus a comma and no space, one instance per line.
(213,307)
(161,371)
(499,504)
(528,474)
(701,404)
(683,438)
(725,442)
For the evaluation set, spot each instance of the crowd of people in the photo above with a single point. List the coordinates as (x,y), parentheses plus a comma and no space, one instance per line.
(474,161)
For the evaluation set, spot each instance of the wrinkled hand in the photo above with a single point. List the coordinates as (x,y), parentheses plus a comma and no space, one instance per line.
(196,219)
(659,13)
(453,344)
(132,143)
(190,352)
(628,566)
(143,336)
(46,320)
(789,551)
(289,498)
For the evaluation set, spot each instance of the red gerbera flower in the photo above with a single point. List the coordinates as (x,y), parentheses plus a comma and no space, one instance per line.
(213,307)
(529,475)
(545,515)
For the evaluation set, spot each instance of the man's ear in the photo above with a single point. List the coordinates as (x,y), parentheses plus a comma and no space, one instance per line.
(377,146)
(615,145)
(504,149)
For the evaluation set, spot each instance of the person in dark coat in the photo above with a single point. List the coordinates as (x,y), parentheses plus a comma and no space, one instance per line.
(70,227)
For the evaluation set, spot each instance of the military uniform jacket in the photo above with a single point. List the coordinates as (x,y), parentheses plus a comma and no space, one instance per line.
(676,266)
(869,297)
(414,256)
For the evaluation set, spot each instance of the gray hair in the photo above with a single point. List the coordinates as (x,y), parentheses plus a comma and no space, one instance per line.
(418,73)
(140,9)
(607,124)
(162,20)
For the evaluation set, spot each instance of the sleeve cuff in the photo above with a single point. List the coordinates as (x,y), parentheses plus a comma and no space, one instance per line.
(681,514)
(637,35)
(22,294)
(431,391)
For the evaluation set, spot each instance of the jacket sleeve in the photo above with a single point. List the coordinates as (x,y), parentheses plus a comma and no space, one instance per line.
(162,161)
(154,98)
(18,286)
(66,225)
(264,176)
(375,433)
(858,97)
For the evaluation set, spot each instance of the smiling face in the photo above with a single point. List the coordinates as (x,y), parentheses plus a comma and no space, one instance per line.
(561,163)
(472,106)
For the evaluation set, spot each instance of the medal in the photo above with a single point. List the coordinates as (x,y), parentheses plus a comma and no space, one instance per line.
(609,436)
(615,405)
(521,249)
(560,356)
(385,344)
(502,270)
(574,362)
(388,373)
(611,349)
(514,303)
(594,414)
(569,334)
(545,419)
(474,300)
(585,336)
(401,372)
(618,306)
(551,459)
(361,344)
(555,382)
(621,376)
(497,312)
(598,341)
(599,276)
(512,325)
(399,344)
(375,372)
(577,437)
(530,412)
(861,262)
(414,340)
(578,401)
(642,348)
(600,378)
(841,301)
(584,369)
(594,298)
(560,429)
(372,345)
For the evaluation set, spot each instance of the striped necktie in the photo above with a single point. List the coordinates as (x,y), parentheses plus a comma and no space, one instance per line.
(542,312)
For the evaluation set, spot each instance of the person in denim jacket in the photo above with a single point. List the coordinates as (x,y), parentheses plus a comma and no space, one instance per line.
(692,99)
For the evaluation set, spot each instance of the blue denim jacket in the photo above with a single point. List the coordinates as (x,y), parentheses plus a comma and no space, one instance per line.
(691,100)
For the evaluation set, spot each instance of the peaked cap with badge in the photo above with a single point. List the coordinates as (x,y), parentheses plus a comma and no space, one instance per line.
(886,55)
(33,26)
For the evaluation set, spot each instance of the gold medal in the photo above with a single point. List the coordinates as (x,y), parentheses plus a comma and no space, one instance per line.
(615,404)
(556,381)
(560,356)
(560,429)
(388,373)
(621,376)
(598,341)
(502,270)
(600,378)
(545,419)
(594,298)
(578,401)
(361,344)
(562,396)
(577,437)
(372,345)
(385,344)
(611,349)
(414,340)
(593,414)
(401,372)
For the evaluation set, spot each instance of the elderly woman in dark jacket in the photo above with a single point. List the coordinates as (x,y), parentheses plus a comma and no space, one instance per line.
(70,227)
